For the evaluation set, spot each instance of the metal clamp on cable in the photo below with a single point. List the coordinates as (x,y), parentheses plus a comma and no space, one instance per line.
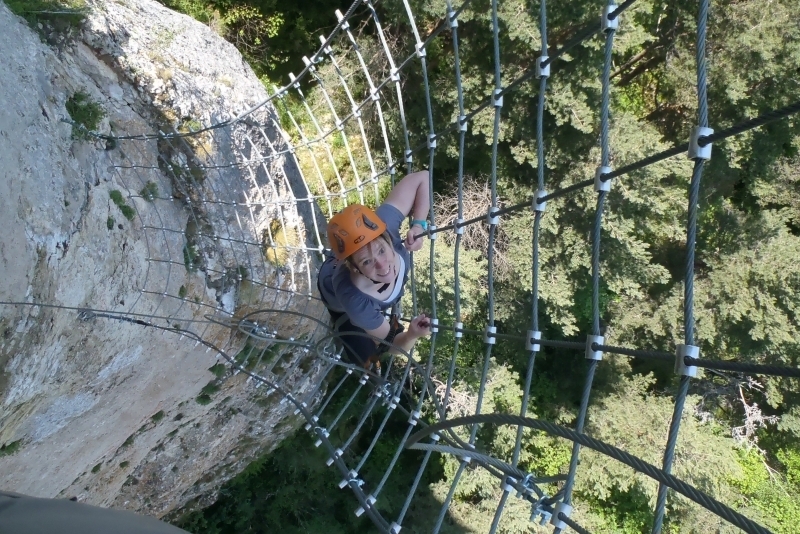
(432,141)
(432,231)
(533,335)
(468,459)
(681,351)
(339,18)
(537,204)
(492,217)
(593,354)
(543,72)
(409,156)
(307,62)
(421,50)
(488,335)
(459,227)
(599,183)
(336,454)
(363,379)
(451,16)
(393,404)
(324,433)
(414,418)
(527,485)
(434,325)
(394,74)
(297,410)
(356,112)
(325,49)
(606,23)
(498,98)
(457,329)
(352,476)
(370,500)
(395,528)
(314,420)
(538,509)
(507,484)
(293,79)
(561,508)
(695,150)
(462,123)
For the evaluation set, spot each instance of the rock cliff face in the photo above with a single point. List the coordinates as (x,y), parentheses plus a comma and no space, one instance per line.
(103,394)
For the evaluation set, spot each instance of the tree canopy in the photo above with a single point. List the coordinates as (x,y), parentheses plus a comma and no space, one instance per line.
(739,438)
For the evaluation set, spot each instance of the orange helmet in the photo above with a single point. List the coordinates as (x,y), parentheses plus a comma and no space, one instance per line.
(352,228)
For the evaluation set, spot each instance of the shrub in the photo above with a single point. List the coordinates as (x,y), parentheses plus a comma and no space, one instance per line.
(218,369)
(150,191)
(116,198)
(209,389)
(86,113)
(69,13)
(10,448)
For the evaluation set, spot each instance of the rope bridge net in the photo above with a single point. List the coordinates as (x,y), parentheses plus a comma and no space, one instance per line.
(241,206)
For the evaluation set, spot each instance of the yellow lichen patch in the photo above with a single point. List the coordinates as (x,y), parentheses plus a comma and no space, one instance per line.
(276,241)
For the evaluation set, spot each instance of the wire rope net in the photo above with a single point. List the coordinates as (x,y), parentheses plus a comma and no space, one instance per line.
(232,218)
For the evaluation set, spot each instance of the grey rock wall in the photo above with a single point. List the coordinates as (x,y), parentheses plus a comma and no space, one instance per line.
(103,409)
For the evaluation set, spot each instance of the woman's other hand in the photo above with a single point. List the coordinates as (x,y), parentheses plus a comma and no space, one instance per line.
(414,243)
(419,326)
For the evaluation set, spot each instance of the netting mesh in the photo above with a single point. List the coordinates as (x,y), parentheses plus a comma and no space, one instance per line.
(232,219)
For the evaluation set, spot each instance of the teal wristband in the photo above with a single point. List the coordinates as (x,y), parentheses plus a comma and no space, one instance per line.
(423,224)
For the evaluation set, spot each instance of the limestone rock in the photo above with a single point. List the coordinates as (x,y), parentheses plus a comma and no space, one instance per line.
(99,375)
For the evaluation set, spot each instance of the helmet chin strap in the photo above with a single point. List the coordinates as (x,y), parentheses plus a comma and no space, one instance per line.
(385,284)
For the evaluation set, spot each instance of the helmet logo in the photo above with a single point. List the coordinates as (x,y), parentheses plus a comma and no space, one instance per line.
(358,240)
(368,223)
(339,243)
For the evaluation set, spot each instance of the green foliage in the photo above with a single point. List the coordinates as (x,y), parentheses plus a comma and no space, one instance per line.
(768,493)
(182,291)
(158,416)
(64,13)
(150,191)
(110,223)
(209,389)
(203,399)
(272,36)
(7,449)
(129,441)
(747,279)
(124,464)
(218,369)
(97,467)
(86,113)
(119,201)
(191,257)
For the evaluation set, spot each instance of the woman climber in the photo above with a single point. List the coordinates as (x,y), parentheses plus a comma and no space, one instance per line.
(369,269)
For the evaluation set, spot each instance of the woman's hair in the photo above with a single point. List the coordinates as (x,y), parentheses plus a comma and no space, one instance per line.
(351,262)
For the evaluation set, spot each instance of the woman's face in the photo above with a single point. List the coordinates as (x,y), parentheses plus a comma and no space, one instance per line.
(376,261)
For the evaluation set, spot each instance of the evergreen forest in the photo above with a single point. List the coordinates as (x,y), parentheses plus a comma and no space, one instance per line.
(740,436)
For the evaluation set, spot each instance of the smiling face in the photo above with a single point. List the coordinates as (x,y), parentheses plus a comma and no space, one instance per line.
(376,260)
